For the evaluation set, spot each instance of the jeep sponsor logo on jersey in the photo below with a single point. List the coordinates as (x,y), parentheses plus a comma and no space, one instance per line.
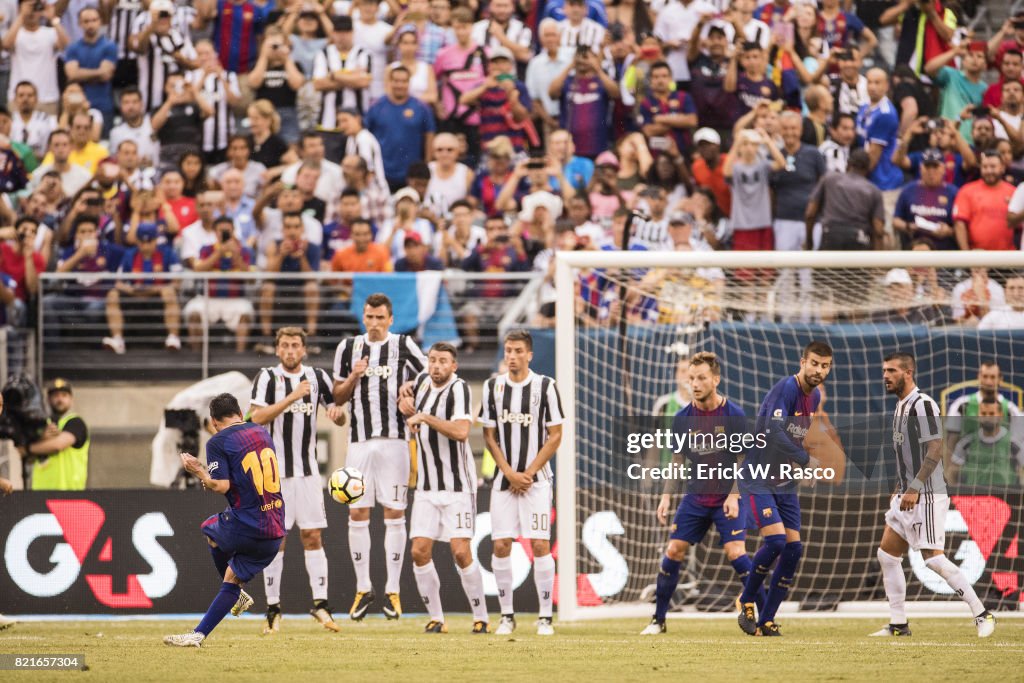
(508,417)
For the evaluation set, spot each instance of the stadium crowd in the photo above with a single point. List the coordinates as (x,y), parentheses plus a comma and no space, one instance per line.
(366,136)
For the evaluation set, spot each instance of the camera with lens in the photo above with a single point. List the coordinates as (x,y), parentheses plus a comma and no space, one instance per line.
(24,418)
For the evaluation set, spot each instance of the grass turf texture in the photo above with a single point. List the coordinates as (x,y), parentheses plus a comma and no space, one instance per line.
(710,650)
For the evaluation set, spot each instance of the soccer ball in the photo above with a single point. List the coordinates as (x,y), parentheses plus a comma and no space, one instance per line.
(346,485)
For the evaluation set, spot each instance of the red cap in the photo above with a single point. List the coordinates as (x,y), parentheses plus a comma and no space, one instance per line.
(977,46)
(413,238)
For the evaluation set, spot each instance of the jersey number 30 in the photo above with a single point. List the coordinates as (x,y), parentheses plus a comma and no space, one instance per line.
(263,470)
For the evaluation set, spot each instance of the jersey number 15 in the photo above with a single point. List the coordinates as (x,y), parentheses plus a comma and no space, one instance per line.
(263,470)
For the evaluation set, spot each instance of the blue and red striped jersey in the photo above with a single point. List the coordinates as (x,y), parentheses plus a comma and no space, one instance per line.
(243,454)
(236,33)
(720,423)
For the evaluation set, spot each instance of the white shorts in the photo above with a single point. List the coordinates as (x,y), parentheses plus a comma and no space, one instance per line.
(924,527)
(303,502)
(220,310)
(385,464)
(522,514)
(443,515)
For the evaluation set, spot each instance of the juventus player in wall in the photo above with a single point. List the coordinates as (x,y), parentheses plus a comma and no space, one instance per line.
(917,512)
(368,371)
(522,418)
(285,399)
(439,414)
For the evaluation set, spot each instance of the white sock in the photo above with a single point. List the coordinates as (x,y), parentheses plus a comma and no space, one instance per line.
(316,568)
(895,582)
(502,568)
(429,584)
(957,581)
(473,585)
(359,543)
(544,580)
(395,536)
(272,579)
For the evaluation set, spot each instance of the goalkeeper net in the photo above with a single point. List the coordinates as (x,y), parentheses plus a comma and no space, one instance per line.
(627,322)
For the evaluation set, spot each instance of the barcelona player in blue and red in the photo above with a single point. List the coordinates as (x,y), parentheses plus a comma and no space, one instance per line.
(237,30)
(245,538)
(705,422)
(773,505)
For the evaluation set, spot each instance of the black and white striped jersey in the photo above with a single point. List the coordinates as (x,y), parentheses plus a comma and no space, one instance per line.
(156,61)
(914,425)
(444,464)
(122,15)
(219,126)
(516,31)
(652,235)
(294,430)
(374,405)
(326,62)
(589,33)
(521,413)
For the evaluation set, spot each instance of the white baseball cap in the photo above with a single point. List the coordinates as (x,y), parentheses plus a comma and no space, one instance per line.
(707,135)
(898,276)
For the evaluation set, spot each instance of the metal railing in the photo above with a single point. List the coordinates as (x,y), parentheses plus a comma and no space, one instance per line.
(226,321)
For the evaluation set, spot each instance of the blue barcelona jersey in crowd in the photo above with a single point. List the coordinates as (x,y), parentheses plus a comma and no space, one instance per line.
(244,455)
(784,417)
(720,424)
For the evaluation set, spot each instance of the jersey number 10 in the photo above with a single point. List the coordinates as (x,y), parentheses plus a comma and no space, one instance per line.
(263,470)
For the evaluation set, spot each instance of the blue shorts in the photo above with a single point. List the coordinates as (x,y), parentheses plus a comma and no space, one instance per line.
(249,556)
(693,520)
(770,508)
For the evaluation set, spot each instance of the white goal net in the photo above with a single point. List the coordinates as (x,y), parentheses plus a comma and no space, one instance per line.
(626,320)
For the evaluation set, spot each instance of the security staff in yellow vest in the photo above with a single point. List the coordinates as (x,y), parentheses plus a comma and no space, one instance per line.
(62,456)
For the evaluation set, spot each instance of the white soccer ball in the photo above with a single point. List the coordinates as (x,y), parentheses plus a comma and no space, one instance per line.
(346,485)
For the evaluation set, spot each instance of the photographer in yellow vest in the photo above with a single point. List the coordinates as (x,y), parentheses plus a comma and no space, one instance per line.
(62,456)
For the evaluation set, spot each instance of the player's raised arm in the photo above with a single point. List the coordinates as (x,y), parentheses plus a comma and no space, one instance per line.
(264,414)
(197,469)
(345,381)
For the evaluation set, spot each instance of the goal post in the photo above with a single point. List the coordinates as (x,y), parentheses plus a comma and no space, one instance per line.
(756,310)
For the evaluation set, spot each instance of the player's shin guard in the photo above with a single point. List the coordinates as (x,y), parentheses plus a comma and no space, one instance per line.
(473,586)
(544,580)
(220,560)
(895,582)
(316,569)
(219,608)
(502,568)
(744,566)
(668,579)
(763,559)
(782,580)
(951,573)
(395,536)
(359,545)
(429,585)
(272,579)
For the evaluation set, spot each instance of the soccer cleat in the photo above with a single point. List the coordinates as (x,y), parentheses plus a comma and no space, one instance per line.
(506,626)
(273,617)
(769,628)
(544,627)
(434,626)
(322,613)
(190,639)
(392,606)
(891,630)
(747,618)
(6,622)
(361,605)
(243,603)
(173,342)
(481,628)
(654,628)
(115,344)
(986,623)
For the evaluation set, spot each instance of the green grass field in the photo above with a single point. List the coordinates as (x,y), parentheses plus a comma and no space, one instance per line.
(705,650)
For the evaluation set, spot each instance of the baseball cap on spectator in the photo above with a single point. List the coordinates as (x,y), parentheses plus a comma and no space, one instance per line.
(412,238)
(532,201)
(58,384)
(500,52)
(680,218)
(606,158)
(147,231)
(407,193)
(898,276)
(160,6)
(980,45)
(500,146)
(342,23)
(932,156)
(709,135)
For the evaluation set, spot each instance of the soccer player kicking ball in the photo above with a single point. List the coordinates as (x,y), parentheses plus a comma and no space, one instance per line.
(439,414)
(522,417)
(708,501)
(245,538)
(286,397)
(917,513)
(368,372)
(784,418)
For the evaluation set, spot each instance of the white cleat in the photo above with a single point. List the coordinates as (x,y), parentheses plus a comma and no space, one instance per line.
(544,627)
(6,622)
(243,603)
(190,639)
(506,626)
(986,623)
(655,628)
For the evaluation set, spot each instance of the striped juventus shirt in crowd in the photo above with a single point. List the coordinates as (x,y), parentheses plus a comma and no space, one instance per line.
(220,126)
(156,62)
(521,413)
(363,144)
(516,31)
(294,430)
(374,404)
(445,464)
(122,16)
(589,33)
(651,235)
(326,62)
(915,424)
